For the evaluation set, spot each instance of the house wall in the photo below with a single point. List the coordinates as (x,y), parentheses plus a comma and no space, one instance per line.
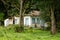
(16,20)
(10,21)
(27,21)
(6,22)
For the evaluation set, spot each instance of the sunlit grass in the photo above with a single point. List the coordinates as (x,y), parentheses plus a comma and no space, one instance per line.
(33,34)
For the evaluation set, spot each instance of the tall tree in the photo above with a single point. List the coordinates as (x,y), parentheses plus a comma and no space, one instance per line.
(21,14)
(50,6)
(25,6)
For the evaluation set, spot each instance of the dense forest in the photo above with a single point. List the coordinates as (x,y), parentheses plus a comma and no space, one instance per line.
(50,10)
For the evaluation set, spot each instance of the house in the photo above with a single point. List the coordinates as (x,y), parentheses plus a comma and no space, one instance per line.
(32,19)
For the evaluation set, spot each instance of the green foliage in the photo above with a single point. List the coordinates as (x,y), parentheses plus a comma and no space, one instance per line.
(15,28)
(27,35)
(1,16)
(19,29)
(44,14)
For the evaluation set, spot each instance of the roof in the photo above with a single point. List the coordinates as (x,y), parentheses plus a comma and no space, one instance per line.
(33,13)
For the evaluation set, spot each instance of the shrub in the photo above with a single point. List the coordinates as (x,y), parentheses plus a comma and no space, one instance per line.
(19,29)
(15,28)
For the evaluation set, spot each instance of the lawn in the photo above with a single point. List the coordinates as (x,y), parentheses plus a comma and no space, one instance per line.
(28,35)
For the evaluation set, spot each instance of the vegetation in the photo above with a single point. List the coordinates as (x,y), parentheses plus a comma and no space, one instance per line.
(49,10)
(49,6)
(30,34)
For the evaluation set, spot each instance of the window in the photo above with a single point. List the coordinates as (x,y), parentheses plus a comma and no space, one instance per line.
(38,21)
(15,21)
(33,20)
(27,21)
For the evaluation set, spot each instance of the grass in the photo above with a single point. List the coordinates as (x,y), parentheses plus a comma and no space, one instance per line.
(27,35)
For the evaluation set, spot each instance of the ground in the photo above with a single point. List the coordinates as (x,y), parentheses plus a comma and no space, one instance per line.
(30,34)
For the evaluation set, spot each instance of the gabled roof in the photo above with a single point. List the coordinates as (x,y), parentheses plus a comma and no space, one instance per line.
(33,13)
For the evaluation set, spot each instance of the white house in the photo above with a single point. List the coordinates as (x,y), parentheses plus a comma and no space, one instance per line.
(29,20)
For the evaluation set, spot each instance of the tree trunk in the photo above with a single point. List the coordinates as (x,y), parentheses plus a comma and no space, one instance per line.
(21,14)
(20,28)
(53,22)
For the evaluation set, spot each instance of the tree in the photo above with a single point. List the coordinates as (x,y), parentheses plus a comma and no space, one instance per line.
(1,18)
(25,7)
(10,7)
(49,7)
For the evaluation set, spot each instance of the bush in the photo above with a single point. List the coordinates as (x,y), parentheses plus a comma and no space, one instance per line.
(10,28)
(19,29)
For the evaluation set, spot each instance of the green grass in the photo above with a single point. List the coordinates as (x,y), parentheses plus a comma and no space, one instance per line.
(27,35)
